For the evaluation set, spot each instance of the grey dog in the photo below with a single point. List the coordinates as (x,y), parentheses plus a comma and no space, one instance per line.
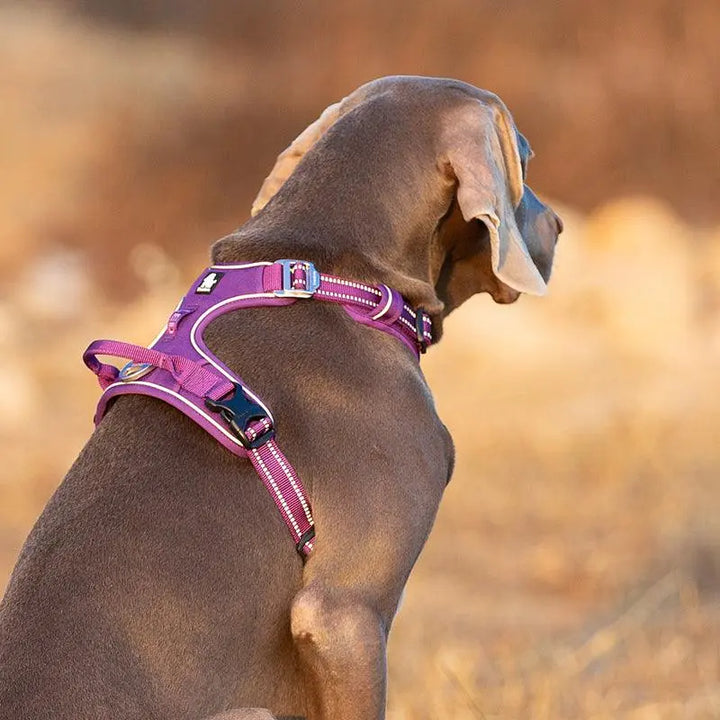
(160,582)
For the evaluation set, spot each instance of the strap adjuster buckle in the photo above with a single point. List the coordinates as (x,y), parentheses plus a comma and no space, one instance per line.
(238,412)
(305,538)
(300,279)
(420,338)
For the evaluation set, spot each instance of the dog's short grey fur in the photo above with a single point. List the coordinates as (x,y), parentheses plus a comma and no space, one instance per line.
(160,582)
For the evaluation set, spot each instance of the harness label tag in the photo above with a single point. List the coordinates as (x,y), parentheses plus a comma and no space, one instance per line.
(208,283)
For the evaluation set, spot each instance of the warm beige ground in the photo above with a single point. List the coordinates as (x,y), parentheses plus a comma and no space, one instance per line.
(574,571)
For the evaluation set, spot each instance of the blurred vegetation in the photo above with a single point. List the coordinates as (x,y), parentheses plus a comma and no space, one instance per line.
(619,95)
(575,570)
(174,110)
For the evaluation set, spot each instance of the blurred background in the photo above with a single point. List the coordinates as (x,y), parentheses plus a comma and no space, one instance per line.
(574,571)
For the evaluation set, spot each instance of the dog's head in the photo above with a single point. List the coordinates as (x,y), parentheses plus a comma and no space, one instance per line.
(491,233)
(497,236)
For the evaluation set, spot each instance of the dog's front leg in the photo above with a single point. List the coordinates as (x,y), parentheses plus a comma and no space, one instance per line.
(374,502)
(353,581)
(341,640)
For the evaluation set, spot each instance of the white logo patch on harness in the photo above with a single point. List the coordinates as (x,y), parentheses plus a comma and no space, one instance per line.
(208,283)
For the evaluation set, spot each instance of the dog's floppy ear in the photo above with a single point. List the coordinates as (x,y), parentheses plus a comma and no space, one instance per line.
(289,158)
(484,156)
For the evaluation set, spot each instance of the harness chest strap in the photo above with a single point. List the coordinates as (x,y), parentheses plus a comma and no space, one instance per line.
(179,369)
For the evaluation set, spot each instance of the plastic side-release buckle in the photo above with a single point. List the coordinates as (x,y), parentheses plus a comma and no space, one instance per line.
(239,412)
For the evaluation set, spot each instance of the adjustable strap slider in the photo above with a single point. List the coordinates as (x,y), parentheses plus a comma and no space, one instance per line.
(300,279)
(420,335)
(302,544)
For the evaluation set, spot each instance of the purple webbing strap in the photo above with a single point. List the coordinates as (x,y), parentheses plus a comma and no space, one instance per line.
(381,307)
(191,375)
(284,486)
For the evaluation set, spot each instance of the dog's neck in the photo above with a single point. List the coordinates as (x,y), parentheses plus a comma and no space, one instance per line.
(360,235)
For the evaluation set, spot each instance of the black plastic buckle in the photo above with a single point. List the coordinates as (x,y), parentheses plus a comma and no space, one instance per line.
(238,412)
(420,330)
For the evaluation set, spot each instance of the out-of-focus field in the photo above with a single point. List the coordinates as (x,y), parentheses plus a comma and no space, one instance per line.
(574,571)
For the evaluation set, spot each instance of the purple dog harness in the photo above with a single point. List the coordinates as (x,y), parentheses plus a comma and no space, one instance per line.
(179,368)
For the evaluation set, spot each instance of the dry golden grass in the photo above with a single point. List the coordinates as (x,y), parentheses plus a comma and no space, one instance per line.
(574,571)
